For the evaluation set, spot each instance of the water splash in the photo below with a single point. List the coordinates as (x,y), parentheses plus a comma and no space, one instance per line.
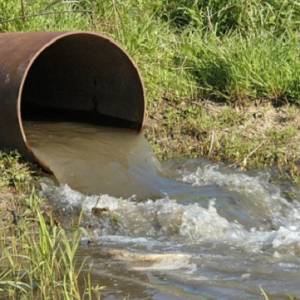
(166,219)
(189,241)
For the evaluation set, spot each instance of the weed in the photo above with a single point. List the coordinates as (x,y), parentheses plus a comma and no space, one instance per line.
(37,256)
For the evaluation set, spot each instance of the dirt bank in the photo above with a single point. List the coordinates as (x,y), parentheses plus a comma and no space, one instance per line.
(255,135)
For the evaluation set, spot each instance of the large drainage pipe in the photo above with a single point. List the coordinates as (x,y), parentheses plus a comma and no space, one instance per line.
(78,75)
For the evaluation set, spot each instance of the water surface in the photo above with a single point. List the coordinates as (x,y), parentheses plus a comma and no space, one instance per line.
(94,159)
(196,230)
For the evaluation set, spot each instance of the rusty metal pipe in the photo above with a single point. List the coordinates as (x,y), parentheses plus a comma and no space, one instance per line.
(73,74)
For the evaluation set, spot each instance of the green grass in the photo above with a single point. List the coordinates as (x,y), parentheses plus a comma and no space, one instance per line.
(248,137)
(37,256)
(237,68)
(13,172)
(221,50)
(40,15)
(241,54)
(237,53)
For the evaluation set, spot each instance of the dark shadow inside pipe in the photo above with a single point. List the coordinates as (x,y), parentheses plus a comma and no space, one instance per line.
(86,78)
(83,78)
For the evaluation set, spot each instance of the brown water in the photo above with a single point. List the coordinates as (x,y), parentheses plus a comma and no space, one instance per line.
(206,232)
(96,160)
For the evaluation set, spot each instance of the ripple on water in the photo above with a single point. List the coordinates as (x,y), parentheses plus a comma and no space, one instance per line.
(196,248)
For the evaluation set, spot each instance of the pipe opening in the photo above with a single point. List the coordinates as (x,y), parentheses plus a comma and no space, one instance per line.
(55,88)
(83,77)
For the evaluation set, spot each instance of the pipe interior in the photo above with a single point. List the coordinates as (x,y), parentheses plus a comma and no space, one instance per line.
(83,78)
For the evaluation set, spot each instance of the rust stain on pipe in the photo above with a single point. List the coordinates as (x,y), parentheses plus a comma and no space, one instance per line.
(76,74)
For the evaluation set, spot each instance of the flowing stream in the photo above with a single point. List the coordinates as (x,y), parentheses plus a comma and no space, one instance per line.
(188,229)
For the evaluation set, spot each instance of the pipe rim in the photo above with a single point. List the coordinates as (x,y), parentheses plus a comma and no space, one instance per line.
(51,42)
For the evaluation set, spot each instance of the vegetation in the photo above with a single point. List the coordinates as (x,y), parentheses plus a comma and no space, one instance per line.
(246,137)
(221,50)
(222,81)
(230,54)
(37,255)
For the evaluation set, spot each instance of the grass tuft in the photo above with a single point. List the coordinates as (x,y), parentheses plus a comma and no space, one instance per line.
(37,256)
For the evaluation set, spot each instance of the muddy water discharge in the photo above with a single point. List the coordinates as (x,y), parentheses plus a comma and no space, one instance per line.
(216,233)
(96,160)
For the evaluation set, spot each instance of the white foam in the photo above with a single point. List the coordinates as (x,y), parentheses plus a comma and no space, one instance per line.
(255,189)
(168,221)
(163,217)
